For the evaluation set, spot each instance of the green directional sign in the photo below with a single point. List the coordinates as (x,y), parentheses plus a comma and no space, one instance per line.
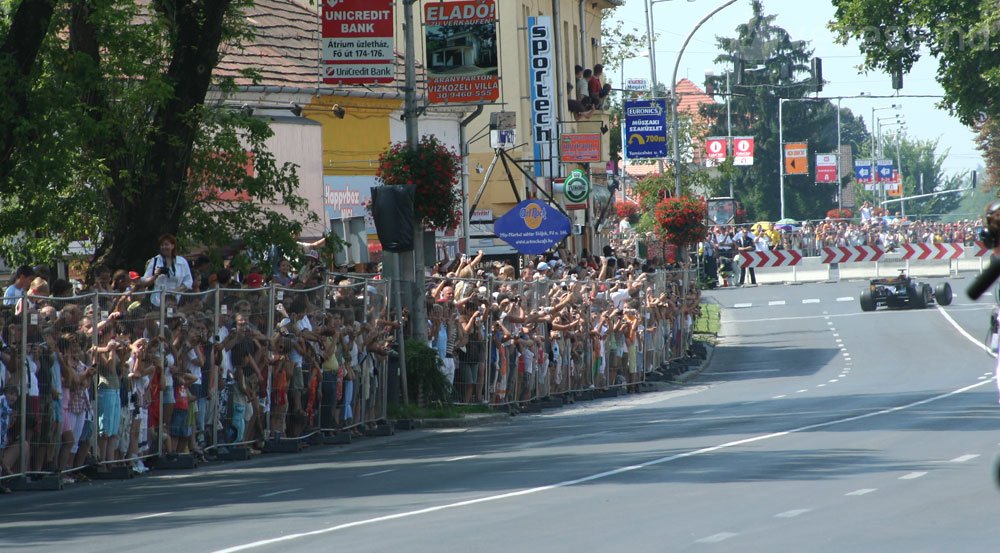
(576,187)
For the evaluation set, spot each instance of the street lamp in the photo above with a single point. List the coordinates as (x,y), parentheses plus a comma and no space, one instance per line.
(874,121)
(675,127)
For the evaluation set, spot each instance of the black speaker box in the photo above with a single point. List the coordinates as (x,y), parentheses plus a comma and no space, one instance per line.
(392,209)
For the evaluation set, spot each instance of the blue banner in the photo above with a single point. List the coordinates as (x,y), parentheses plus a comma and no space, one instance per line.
(532,227)
(645,129)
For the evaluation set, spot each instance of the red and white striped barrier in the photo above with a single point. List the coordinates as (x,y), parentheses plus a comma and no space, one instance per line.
(773,258)
(852,254)
(980,249)
(930,252)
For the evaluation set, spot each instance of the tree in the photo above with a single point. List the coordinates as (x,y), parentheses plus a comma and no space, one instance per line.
(988,142)
(618,45)
(116,146)
(772,64)
(894,34)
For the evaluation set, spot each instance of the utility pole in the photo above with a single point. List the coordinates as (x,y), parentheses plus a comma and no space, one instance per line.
(730,150)
(418,309)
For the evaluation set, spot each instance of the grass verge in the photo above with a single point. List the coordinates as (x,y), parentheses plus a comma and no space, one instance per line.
(706,327)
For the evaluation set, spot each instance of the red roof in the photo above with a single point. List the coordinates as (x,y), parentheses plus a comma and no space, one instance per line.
(691,97)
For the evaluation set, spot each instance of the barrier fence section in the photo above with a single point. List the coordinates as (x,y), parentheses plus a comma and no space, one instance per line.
(504,342)
(112,379)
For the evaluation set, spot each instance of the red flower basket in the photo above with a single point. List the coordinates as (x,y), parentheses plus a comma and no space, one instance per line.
(626,209)
(681,220)
(840,213)
(434,169)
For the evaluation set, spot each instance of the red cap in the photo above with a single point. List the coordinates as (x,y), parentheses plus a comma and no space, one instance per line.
(255,280)
(133,275)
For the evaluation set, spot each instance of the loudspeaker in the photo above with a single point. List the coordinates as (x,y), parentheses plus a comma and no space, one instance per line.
(392,210)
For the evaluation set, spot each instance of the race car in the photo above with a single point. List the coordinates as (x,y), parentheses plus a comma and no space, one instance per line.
(902,292)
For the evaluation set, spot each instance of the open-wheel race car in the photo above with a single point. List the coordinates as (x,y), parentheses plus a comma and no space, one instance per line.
(902,292)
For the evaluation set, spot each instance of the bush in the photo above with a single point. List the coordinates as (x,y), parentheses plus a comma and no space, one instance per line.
(423,377)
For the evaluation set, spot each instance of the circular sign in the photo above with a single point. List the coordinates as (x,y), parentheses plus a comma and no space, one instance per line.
(743,145)
(576,188)
(715,146)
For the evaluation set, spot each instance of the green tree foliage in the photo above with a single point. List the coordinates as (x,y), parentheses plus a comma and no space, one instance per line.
(617,45)
(107,139)
(776,67)
(961,34)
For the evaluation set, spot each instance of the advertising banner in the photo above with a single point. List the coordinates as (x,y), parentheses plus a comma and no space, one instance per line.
(461,39)
(542,77)
(645,129)
(581,147)
(743,150)
(715,148)
(357,42)
(532,227)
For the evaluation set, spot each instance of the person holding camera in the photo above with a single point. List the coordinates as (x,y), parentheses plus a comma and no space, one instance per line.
(166,271)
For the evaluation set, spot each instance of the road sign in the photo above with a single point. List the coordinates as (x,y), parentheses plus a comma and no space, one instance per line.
(883,170)
(826,168)
(637,85)
(645,129)
(796,160)
(863,171)
(715,148)
(743,150)
(576,187)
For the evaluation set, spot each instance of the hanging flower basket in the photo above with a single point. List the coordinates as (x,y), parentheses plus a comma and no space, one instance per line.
(840,213)
(434,170)
(681,221)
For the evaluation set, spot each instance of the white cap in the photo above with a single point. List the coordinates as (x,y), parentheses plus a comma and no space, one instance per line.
(542,266)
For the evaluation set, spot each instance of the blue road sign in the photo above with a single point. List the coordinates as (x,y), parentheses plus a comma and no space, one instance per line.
(883,170)
(645,129)
(532,227)
(863,171)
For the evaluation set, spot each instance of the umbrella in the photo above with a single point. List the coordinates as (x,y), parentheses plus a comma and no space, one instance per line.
(787,221)
(786,227)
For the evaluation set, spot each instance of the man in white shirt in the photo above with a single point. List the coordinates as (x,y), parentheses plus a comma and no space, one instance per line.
(167,272)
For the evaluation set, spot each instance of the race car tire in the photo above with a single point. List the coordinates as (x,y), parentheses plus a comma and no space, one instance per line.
(917,298)
(867,301)
(942,294)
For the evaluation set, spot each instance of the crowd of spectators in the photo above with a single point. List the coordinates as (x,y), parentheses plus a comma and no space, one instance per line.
(588,92)
(229,363)
(560,323)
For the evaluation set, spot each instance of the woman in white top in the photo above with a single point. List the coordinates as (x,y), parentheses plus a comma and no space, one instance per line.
(167,272)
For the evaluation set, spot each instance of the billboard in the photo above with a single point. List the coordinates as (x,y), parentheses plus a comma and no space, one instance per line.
(461,40)
(542,76)
(581,147)
(532,227)
(357,42)
(645,129)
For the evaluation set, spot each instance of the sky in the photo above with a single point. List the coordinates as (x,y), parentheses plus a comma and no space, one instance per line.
(804,20)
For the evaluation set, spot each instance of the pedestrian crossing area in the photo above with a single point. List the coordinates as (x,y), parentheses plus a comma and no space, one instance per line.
(774,303)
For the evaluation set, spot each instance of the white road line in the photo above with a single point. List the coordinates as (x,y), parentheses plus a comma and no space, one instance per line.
(913,475)
(821,385)
(964,458)
(152,515)
(832,380)
(813,300)
(839,340)
(862,491)
(742,305)
(746,372)
(802,391)
(272,494)
(703,411)
(716,538)
(963,332)
(593,477)
(462,458)
(845,298)
(376,473)
(779,397)
(835,335)
(776,302)
(792,514)
(829,323)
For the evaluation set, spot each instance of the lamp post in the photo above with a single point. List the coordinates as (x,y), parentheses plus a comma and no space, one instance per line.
(675,125)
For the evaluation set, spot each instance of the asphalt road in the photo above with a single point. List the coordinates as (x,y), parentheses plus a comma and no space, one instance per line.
(815,428)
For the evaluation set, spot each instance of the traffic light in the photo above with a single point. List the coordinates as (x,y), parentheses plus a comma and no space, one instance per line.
(897,79)
(738,70)
(817,73)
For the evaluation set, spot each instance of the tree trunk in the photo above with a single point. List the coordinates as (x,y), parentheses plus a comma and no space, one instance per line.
(18,53)
(158,190)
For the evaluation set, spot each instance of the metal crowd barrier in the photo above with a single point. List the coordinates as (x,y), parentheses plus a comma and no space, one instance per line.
(112,379)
